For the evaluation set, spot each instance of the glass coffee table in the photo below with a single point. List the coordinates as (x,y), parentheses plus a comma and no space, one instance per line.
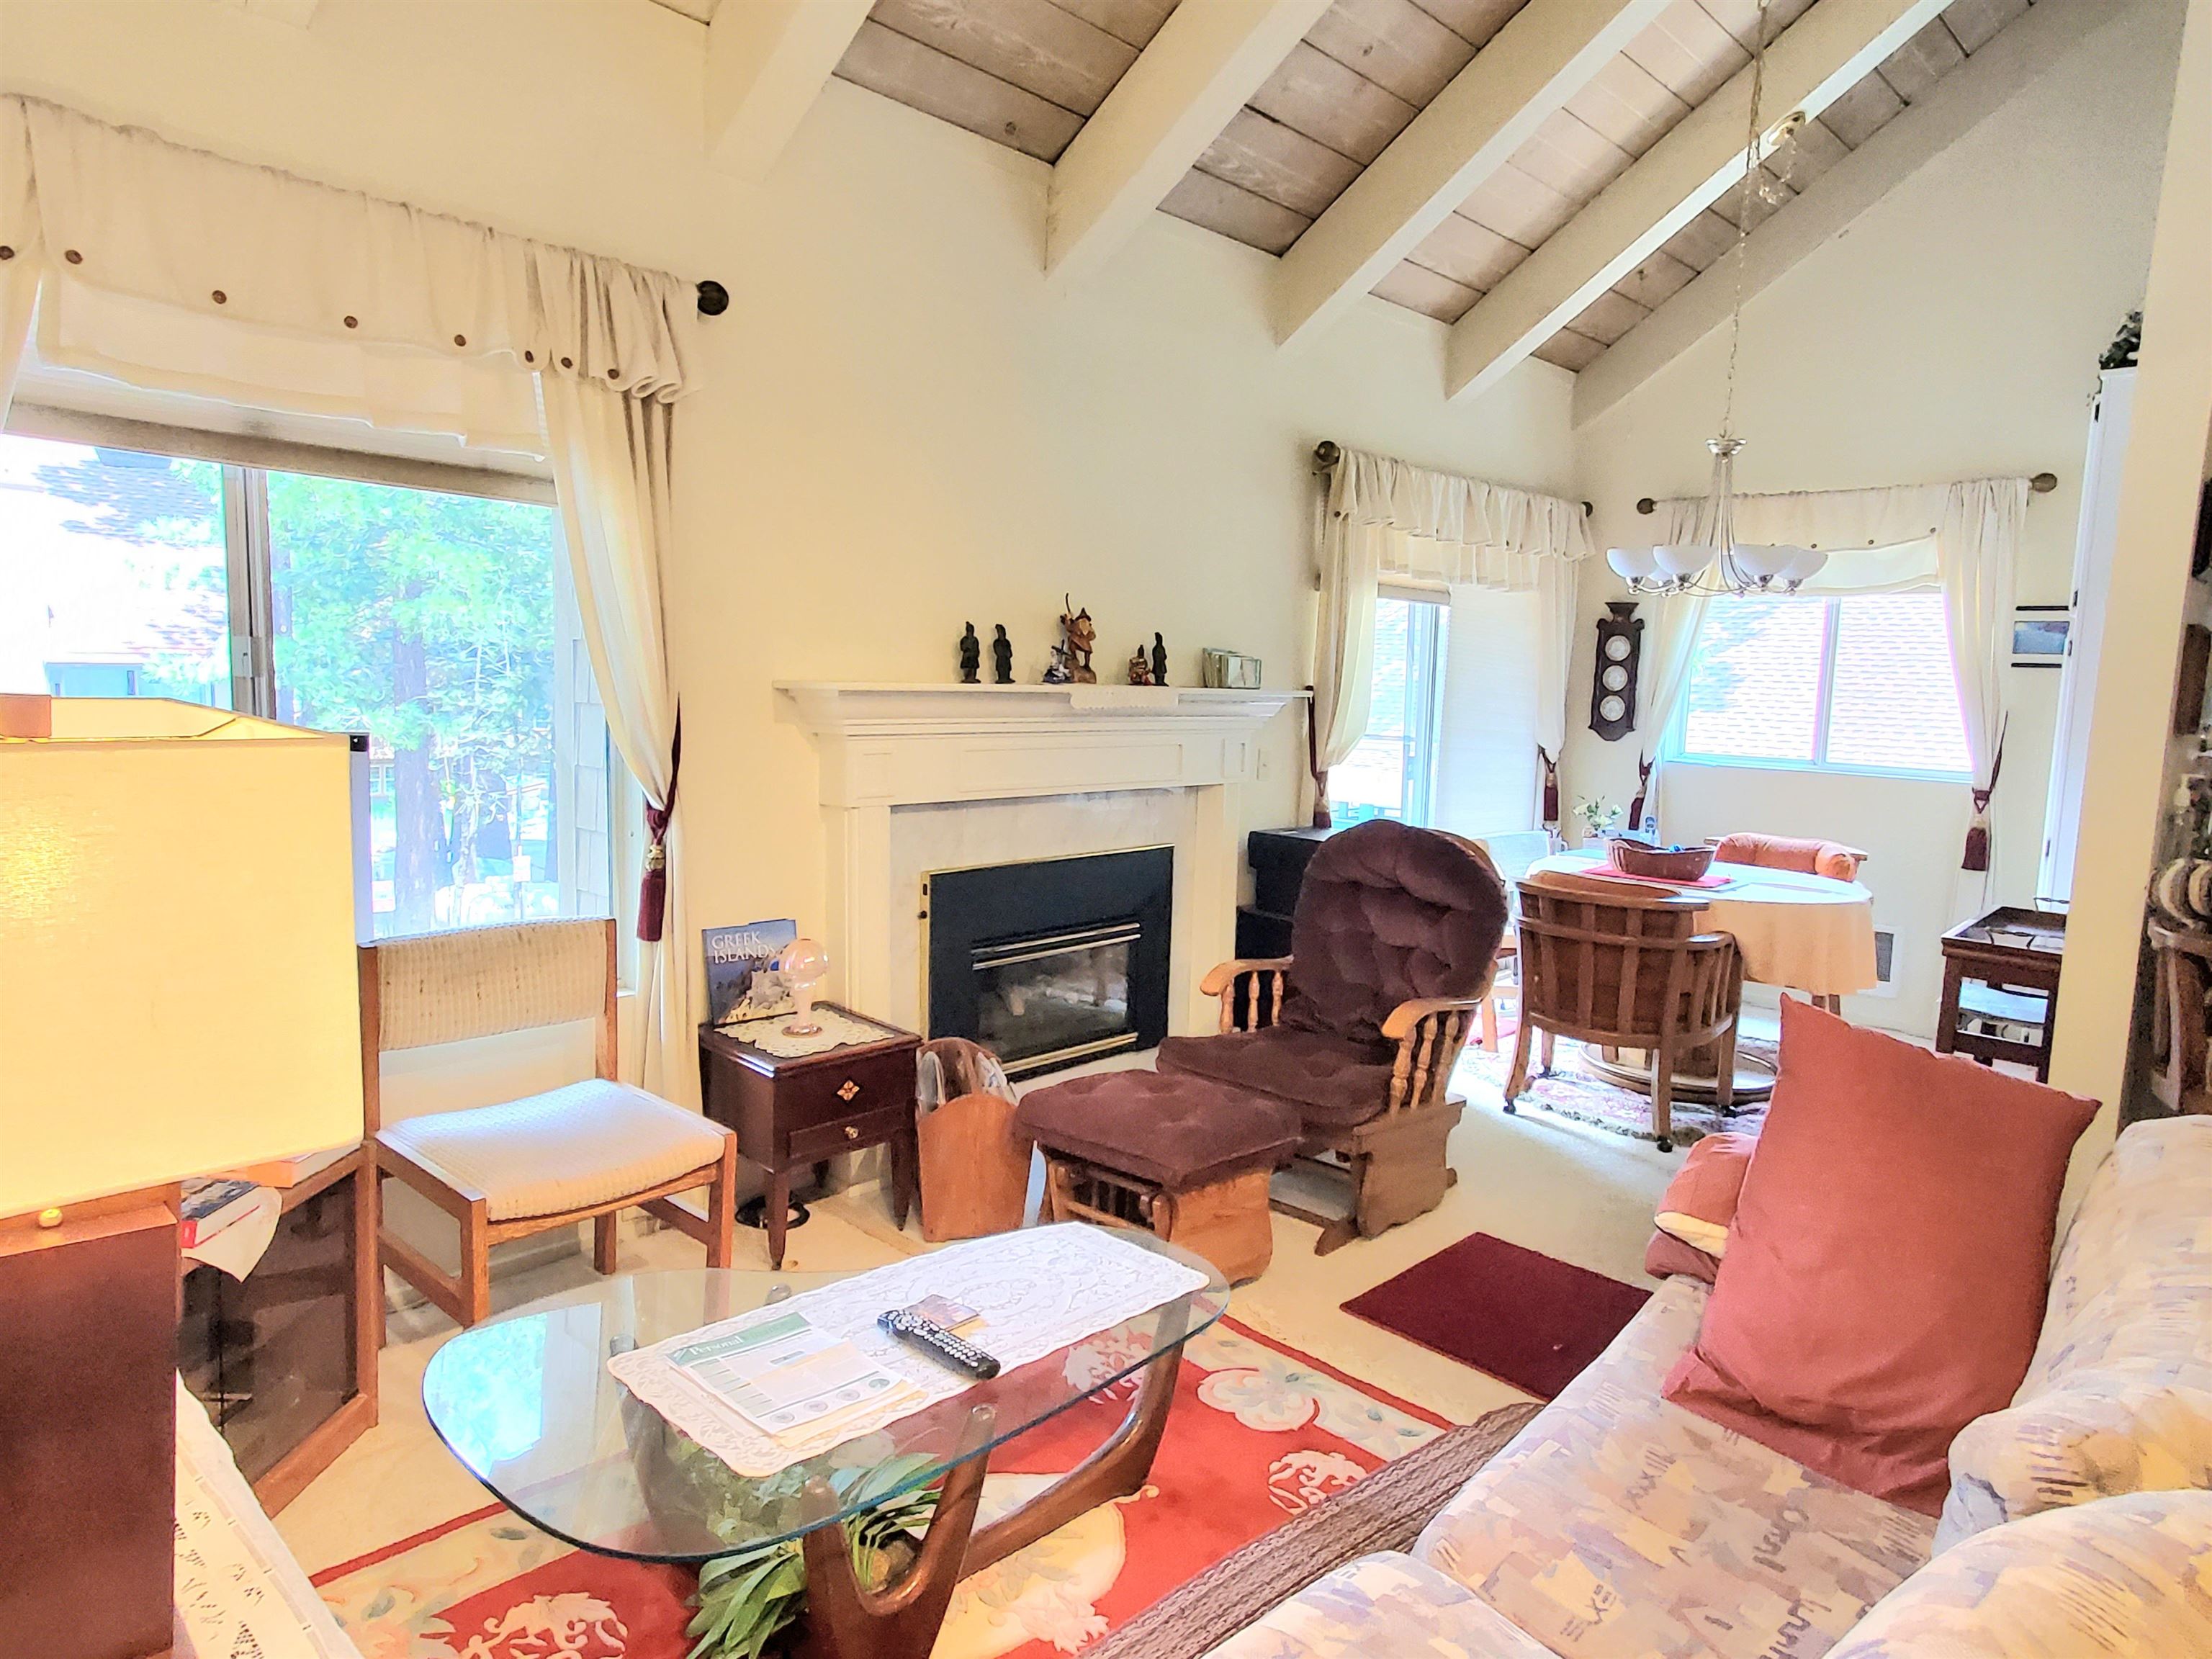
(526,1403)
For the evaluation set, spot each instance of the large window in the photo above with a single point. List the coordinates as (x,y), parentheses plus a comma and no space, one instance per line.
(438,622)
(1391,772)
(1861,684)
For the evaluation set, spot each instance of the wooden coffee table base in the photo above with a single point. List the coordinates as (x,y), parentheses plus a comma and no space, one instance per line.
(845,1621)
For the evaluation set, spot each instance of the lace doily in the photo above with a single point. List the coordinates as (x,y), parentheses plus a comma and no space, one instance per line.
(838,1030)
(1037,1289)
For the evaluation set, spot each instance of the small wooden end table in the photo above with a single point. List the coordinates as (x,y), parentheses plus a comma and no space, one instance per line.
(2010,949)
(793,1112)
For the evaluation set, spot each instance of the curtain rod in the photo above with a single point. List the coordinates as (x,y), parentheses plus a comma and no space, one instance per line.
(2041,484)
(1327,454)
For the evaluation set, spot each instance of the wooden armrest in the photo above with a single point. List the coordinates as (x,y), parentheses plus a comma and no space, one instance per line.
(1218,981)
(1407,1015)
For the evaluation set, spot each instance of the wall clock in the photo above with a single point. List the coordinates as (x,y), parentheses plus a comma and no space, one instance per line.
(1613,684)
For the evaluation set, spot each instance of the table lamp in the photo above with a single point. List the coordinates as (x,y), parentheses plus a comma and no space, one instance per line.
(178,996)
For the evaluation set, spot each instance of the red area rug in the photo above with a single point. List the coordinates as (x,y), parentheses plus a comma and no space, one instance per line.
(1259,1434)
(1522,1318)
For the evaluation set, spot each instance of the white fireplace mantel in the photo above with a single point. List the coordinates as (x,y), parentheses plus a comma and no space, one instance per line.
(888,747)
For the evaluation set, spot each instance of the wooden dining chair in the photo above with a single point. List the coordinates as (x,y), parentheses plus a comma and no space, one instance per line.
(1606,965)
(583,1152)
(1512,854)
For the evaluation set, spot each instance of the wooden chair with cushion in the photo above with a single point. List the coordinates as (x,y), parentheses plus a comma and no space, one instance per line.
(1621,969)
(582,1152)
(1392,947)
(1809,855)
(1510,854)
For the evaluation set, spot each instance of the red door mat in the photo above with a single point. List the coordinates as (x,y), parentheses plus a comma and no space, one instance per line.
(1259,1433)
(1522,1318)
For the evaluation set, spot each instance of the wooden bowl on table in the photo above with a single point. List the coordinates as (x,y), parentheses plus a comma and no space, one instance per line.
(1640,858)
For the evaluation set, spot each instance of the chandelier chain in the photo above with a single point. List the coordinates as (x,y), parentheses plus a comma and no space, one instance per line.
(1743,213)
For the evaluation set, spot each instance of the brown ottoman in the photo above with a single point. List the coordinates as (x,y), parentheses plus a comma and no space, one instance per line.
(1184,1158)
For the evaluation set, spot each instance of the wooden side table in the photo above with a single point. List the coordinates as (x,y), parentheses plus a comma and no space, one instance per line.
(285,1361)
(2010,949)
(791,1112)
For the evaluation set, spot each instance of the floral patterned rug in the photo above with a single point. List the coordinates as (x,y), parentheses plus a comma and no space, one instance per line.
(1572,1092)
(1260,1432)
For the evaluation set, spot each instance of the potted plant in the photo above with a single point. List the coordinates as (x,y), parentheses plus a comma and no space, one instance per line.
(1597,817)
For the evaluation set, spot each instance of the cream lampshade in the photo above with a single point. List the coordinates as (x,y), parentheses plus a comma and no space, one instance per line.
(178,989)
(178,996)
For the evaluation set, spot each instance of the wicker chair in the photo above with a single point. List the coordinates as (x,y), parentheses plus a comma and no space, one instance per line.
(582,1152)
(1621,968)
(1393,947)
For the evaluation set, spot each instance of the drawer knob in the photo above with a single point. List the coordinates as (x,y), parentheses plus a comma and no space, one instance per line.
(852,1132)
(848,1089)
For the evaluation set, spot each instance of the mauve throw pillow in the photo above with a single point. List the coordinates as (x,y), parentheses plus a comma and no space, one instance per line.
(1885,1276)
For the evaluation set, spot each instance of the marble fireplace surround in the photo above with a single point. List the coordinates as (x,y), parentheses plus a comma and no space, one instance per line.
(916,779)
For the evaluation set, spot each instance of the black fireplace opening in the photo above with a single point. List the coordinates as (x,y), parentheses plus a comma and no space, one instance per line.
(1053,962)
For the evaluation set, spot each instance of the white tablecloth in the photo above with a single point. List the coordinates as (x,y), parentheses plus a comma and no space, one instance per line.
(1806,933)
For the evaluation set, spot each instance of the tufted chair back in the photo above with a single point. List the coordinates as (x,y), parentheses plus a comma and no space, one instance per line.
(1388,913)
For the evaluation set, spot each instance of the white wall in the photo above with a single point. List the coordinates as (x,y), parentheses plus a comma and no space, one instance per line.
(900,430)
(1953,332)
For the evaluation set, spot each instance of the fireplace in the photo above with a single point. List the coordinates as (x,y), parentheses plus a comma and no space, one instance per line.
(1054,960)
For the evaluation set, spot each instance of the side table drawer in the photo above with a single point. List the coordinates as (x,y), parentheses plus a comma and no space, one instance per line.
(828,1139)
(834,1093)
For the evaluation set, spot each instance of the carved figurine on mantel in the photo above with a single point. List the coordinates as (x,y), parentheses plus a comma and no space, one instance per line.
(1159,660)
(1080,634)
(1140,668)
(1002,656)
(971,657)
(1056,671)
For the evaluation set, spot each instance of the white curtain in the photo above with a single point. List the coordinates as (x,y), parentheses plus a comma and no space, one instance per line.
(167,267)
(611,457)
(1384,518)
(1962,537)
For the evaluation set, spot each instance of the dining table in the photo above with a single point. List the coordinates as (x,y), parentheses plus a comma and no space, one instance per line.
(1793,930)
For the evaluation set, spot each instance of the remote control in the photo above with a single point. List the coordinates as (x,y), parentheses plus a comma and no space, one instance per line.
(941,1343)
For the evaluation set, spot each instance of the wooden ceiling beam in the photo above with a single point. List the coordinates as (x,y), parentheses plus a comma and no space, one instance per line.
(1196,73)
(1810,64)
(1549,51)
(2003,66)
(766,62)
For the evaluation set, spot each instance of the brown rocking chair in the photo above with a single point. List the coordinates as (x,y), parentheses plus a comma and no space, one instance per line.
(1605,964)
(1392,947)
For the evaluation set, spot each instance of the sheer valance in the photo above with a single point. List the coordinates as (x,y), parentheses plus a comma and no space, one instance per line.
(1384,517)
(1439,526)
(146,255)
(1963,538)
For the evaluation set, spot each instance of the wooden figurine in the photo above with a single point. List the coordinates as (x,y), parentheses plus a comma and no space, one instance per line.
(1002,657)
(971,656)
(1080,634)
(1159,660)
(1056,671)
(1140,668)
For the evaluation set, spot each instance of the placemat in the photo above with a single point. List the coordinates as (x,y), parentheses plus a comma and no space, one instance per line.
(1037,1290)
(838,1031)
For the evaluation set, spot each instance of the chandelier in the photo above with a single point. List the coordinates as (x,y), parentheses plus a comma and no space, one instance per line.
(1715,562)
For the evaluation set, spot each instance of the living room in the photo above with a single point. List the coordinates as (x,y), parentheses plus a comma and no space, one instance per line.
(1309,396)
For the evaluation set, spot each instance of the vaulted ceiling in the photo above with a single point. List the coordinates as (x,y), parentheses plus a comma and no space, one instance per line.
(1542,174)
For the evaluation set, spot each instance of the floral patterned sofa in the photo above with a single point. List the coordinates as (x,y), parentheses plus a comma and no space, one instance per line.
(1618,1526)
